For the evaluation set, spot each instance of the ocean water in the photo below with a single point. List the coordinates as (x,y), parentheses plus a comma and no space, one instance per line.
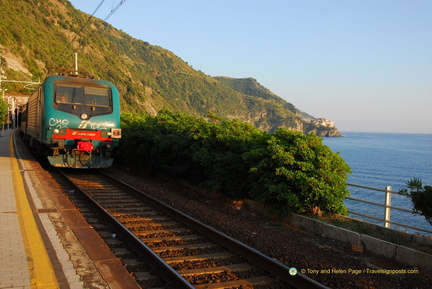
(385,159)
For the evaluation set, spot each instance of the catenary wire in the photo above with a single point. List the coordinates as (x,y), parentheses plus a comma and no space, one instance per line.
(86,23)
(80,30)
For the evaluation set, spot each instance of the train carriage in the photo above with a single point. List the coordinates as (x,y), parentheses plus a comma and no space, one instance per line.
(74,121)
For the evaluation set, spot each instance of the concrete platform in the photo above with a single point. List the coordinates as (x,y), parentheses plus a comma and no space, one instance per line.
(45,242)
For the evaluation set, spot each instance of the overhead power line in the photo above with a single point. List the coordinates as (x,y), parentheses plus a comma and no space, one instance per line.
(114,10)
(86,23)
(80,30)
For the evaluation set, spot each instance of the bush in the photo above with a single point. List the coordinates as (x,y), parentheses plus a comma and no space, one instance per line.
(296,172)
(421,197)
(285,170)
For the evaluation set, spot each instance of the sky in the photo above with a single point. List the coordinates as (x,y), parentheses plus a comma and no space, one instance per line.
(365,65)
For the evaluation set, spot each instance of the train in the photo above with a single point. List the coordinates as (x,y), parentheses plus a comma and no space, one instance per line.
(73,121)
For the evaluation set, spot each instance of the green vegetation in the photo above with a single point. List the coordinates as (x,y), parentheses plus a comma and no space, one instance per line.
(286,170)
(44,34)
(421,197)
(250,86)
(3,110)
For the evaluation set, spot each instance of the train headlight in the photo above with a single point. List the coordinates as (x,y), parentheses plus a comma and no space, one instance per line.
(56,130)
(84,116)
(116,133)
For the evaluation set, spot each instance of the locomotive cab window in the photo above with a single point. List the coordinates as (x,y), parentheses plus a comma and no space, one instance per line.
(97,96)
(68,94)
(79,98)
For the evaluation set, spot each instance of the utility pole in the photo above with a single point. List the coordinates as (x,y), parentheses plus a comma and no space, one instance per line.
(76,63)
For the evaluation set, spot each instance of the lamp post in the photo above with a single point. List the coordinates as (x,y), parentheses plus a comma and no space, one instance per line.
(12,111)
(3,91)
(11,105)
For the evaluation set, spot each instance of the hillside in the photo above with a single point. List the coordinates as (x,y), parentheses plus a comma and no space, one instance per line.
(279,111)
(38,35)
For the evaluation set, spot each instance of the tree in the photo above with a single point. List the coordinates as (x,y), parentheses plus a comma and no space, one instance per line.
(3,110)
(421,197)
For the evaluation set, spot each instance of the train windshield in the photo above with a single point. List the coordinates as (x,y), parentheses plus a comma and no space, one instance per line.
(83,95)
(99,96)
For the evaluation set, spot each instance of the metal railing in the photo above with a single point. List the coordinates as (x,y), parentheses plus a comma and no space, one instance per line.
(387,208)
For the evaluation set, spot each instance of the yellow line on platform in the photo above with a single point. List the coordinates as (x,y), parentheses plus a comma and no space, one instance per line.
(41,270)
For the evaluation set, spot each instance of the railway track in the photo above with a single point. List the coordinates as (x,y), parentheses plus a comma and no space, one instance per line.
(155,239)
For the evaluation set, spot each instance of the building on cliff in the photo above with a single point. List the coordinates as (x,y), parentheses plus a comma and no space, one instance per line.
(323,122)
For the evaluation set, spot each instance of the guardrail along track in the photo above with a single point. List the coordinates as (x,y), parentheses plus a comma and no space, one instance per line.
(184,252)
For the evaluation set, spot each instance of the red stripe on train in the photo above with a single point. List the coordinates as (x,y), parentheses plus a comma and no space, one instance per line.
(79,134)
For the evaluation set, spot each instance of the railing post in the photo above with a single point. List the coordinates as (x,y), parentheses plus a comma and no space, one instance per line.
(387,209)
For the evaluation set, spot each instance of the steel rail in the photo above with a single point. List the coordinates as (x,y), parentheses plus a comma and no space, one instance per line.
(254,256)
(160,267)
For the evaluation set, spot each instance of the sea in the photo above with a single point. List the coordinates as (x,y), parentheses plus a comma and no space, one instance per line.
(379,160)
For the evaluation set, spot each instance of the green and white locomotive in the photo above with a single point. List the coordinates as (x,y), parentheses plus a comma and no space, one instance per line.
(74,121)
